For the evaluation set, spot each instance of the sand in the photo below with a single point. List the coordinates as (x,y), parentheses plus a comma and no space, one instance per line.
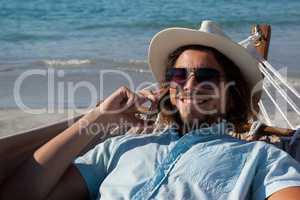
(36,93)
(13,121)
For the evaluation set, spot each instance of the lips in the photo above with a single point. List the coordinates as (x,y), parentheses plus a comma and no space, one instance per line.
(189,99)
(196,97)
(203,101)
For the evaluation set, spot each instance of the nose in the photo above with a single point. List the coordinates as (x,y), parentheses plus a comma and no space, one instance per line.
(190,83)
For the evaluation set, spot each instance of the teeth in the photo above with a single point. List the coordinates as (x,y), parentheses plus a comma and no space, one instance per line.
(203,101)
(199,101)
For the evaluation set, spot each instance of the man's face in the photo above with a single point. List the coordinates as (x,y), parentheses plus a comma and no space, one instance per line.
(198,100)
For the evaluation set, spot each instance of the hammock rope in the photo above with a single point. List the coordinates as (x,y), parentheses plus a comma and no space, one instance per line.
(278,107)
(279,89)
(275,79)
(278,75)
(265,114)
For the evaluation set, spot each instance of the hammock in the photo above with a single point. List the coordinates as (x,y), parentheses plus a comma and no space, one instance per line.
(272,78)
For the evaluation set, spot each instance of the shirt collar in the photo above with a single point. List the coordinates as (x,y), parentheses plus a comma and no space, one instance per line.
(217,129)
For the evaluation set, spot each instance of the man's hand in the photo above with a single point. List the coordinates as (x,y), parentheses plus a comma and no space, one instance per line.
(121,106)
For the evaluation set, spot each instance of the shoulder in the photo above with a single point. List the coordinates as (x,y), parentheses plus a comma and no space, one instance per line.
(275,170)
(129,137)
(263,149)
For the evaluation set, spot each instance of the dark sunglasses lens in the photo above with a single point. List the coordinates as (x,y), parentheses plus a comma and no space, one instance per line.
(207,74)
(176,74)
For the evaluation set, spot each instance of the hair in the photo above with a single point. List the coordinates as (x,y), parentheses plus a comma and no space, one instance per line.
(238,109)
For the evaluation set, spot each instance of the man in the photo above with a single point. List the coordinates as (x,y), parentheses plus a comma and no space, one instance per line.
(210,78)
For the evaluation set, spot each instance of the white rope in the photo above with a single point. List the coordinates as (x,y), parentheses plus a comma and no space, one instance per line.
(280,90)
(278,107)
(264,67)
(264,113)
(278,75)
(255,127)
(248,44)
(252,38)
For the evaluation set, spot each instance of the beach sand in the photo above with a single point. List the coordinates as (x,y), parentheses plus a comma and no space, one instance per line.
(14,121)
(36,93)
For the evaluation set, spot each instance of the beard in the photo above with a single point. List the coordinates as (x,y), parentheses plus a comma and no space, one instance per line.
(198,109)
(192,110)
(190,121)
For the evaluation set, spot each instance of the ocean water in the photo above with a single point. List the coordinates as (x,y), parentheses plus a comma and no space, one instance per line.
(81,36)
(41,32)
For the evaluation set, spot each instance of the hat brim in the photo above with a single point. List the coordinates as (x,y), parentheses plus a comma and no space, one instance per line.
(168,40)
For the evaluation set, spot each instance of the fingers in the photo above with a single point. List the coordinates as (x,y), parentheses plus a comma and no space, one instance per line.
(148,94)
(132,102)
(136,121)
(125,101)
(156,95)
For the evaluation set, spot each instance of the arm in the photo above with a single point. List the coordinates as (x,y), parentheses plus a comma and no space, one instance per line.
(48,171)
(290,193)
(71,186)
(43,170)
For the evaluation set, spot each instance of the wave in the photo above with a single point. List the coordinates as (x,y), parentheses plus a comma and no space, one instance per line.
(159,24)
(71,62)
(98,63)
(130,65)
(20,37)
(6,70)
(141,24)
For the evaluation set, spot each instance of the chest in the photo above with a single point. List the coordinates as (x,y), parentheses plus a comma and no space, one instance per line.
(211,168)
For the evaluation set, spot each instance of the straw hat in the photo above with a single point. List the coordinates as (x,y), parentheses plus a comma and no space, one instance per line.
(209,34)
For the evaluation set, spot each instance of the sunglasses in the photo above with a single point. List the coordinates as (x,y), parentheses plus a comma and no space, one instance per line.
(179,76)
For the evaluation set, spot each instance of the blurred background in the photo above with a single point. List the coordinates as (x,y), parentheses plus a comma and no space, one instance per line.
(79,38)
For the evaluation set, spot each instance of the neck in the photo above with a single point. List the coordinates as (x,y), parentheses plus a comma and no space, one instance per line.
(185,127)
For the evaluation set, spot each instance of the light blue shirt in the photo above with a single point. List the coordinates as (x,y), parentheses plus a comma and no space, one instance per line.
(203,164)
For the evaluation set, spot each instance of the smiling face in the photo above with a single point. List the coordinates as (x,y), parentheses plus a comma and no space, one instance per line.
(196,100)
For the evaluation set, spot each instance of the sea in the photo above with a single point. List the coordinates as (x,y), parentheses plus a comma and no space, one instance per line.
(75,39)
